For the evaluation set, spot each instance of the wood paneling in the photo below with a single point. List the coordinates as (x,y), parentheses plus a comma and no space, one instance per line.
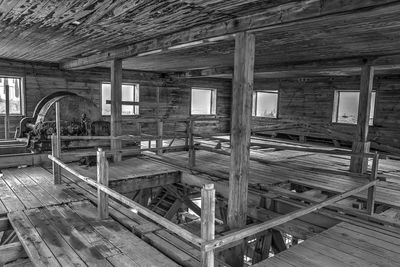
(43,79)
(310,100)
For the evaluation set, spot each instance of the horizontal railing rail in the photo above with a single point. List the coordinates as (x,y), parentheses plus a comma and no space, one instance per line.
(122,137)
(123,151)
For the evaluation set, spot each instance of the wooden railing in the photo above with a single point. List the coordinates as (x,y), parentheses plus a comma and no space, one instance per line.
(159,138)
(104,191)
(207,242)
(239,235)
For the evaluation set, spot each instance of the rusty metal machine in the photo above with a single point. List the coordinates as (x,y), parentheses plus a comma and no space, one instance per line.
(79,117)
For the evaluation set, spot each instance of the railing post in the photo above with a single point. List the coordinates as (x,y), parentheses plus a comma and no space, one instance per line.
(56,152)
(159,142)
(102,178)
(372,189)
(192,152)
(207,222)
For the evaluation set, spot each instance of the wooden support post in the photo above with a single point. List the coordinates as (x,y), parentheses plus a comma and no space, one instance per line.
(56,144)
(56,152)
(372,189)
(278,244)
(361,144)
(58,127)
(207,222)
(116,106)
(144,196)
(7,114)
(187,134)
(159,142)
(102,178)
(240,139)
(262,247)
(192,152)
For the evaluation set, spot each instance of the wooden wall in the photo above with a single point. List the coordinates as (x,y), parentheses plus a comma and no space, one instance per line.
(175,99)
(310,100)
(43,79)
(305,100)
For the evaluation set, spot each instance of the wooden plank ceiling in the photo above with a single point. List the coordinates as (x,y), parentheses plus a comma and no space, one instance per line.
(367,34)
(52,30)
(58,31)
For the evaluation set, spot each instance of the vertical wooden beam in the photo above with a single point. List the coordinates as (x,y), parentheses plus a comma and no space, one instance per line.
(207,222)
(116,106)
(159,141)
(7,114)
(278,244)
(240,138)
(144,196)
(361,144)
(158,102)
(102,178)
(55,152)
(262,247)
(57,179)
(192,152)
(372,189)
(187,134)
(58,128)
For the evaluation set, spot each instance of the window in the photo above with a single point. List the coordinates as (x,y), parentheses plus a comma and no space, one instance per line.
(15,97)
(265,104)
(204,101)
(130,99)
(346,107)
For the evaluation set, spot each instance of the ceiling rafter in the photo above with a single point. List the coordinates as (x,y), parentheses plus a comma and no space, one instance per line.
(274,17)
(333,67)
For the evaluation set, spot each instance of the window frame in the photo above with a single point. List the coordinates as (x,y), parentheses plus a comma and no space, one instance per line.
(22,96)
(126,103)
(336,103)
(255,102)
(213,104)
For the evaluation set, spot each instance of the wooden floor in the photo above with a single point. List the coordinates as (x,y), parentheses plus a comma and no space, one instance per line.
(71,235)
(126,176)
(28,188)
(343,245)
(319,171)
(56,224)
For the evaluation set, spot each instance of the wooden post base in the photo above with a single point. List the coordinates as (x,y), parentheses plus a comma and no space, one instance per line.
(358,164)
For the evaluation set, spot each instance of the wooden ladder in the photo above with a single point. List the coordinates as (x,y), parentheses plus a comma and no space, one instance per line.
(166,203)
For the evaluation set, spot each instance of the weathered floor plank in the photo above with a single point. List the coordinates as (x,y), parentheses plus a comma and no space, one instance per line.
(133,247)
(339,246)
(34,246)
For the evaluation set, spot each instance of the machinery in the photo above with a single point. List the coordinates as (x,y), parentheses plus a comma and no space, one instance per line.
(79,117)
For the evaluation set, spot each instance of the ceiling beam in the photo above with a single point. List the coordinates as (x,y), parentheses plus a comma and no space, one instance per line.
(281,15)
(334,67)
